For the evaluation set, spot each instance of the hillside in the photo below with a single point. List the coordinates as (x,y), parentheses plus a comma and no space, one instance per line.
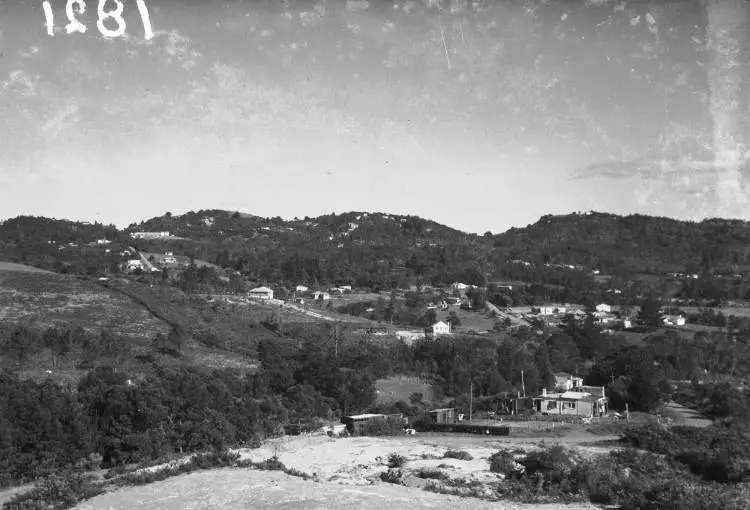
(630,244)
(381,251)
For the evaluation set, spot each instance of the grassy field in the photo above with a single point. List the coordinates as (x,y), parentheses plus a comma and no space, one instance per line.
(398,388)
(469,320)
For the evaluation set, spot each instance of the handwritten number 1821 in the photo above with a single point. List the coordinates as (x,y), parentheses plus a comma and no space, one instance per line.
(114,14)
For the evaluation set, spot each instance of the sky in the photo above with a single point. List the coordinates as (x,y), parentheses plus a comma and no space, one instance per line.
(479,114)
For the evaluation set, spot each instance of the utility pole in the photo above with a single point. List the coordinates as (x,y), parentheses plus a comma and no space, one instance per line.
(523,385)
(471,399)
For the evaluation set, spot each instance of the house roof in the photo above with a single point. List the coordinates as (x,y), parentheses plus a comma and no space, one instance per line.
(356,416)
(261,289)
(440,322)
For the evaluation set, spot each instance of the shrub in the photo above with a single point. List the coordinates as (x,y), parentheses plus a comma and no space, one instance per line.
(395,460)
(502,462)
(56,491)
(603,479)
(457,454)
(392,476)
(432,474)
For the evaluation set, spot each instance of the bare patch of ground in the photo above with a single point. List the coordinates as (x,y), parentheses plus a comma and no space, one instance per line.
(245,488)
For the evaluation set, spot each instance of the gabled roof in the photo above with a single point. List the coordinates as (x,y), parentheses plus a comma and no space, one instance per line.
(260,289)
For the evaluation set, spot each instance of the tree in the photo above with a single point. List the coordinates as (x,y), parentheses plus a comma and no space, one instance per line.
(650,314)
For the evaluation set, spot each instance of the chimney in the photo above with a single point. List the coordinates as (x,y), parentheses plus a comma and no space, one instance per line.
(544,392)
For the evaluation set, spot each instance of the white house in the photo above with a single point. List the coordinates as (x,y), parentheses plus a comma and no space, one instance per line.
(169,260)
(346,287)
(439,328)
(673,320)
(566,381)
(322,296)
(604,308)
(301,288)
(627,323)
(134,264)
(260,293)
(459,286)
(103,241)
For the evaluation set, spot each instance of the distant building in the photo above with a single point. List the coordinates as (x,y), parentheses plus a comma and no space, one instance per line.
(149,235)
(459,286)
(261,293)
(321,296)
(103,241)
(627,323)
(356,424)
(586,401)
(437,329)
(410,336)
(134,264)
(673,320)
(565,381)
(301,288)
(604,308)
(446,415)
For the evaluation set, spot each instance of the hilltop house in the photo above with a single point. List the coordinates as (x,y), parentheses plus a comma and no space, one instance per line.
(585,401)
(565,381)
(260,293)
(459,286)
(103,241)
(604,308)
(301,288)
(437,329)
(149,235)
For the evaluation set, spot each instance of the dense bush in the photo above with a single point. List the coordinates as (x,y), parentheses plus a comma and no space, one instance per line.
(457,454)
(57,492)
(395,460)
(432,474)
(503,462)
(392,476)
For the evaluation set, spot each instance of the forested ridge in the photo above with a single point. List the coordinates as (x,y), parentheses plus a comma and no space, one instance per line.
(381,250)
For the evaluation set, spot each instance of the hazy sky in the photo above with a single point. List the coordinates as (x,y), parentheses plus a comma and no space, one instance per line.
(479,114)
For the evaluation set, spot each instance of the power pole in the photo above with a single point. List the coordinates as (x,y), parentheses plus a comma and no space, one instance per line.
(523,385)
(471,399)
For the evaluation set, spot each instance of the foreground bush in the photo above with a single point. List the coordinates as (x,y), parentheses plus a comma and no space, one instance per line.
(502,462)
(394,476)
(395,460)
(56,492)
(457,454)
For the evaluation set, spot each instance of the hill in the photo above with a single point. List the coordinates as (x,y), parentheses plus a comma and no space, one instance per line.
(566,257)
(630,244)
